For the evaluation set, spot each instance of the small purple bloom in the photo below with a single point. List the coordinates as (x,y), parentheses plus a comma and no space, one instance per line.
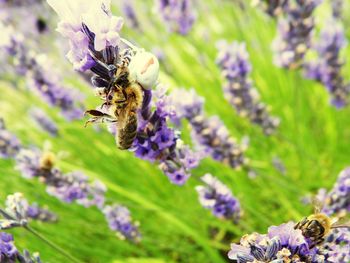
(327,68)
(218,198)
(233,59)
(44,121)
(337,200)
(178,15)
(209,133)
(8,251)
(294,33)
(119,220)
(9,144)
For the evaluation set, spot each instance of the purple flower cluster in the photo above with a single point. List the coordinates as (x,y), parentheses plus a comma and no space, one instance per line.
(337,200)
(69,187)
(271,7)
(178,15)
(119,220)
(294,33)
(18,211)
(8,251)
(39,75)
(210,134)
(9,144)
(217,197)
(281,244)
(327,69)
(233,59)
(156,141)
(44,121)
(10,254)
(86,37)
(336,247)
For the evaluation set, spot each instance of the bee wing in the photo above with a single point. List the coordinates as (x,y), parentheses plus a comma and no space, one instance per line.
(341,223)
(317,204)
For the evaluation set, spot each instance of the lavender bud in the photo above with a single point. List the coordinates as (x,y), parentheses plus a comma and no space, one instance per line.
(233,59)
(327,69)
(9,144)
(44,121)
(119,220)
(218,198)
(294,33)
(178,15)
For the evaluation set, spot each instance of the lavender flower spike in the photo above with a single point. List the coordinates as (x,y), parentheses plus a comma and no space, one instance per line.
(233,59)
(18,212)
(327,69)
(75,14)
(10,254)
(218,198)
(281,244)
(119,220)
(178,15)
(8,251)
(337,200)
(209,133)
(44,121)
(74,186)
(9,144)
(294,33)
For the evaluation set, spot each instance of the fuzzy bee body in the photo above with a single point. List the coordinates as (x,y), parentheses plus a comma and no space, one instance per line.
(121,81)
(315,227)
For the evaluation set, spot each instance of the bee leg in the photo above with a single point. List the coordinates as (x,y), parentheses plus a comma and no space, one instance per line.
(98,116)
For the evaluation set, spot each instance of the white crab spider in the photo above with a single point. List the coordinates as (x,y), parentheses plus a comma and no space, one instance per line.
(143,67)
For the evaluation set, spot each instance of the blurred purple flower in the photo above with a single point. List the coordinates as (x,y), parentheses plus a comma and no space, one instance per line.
(9,144)
(281,244)
(119,220)
(178,15)
(233,59)
(37,213)
(8,251)
(129,11)
(218,198)
(10,254)
(74,186)
(337,200)
(294,33)
(44,121)
(327,69)
(40,75)
(210,134)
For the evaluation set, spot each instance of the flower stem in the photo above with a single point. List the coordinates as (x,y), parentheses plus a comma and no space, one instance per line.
(35,233)
(51,244)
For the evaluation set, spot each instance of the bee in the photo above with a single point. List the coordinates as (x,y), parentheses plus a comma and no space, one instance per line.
(47,161)
(124,95)
(318,226)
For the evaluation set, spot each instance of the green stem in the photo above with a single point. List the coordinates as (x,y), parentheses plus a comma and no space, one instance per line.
(51,244)
(35,233)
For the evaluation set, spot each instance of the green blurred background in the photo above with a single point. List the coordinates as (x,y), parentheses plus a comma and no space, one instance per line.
(312,142)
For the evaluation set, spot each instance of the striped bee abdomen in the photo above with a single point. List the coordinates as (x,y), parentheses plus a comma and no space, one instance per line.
(127,133)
